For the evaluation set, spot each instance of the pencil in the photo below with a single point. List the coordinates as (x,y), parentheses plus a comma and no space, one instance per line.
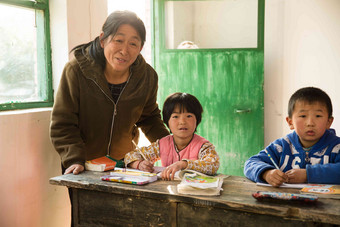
(271,159)
(140,151)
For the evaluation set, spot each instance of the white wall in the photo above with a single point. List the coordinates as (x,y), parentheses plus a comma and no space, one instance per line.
(302,48)
(85,19)
(27,162)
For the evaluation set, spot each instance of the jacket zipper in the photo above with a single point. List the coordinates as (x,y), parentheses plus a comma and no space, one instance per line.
(307,159)
(114,110)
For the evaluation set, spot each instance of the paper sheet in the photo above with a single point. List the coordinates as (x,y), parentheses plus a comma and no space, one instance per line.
(284,185)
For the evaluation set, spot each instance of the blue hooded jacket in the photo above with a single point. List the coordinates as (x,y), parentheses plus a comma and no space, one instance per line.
(322,162)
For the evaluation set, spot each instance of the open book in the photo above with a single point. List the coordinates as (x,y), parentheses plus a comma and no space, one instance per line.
(196,183)
(178,175)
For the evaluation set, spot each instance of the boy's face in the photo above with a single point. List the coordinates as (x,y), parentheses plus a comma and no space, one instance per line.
(310,121)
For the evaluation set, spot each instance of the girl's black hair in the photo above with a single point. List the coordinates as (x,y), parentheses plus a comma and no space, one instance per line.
(184,101)
(310,95)
(110,27)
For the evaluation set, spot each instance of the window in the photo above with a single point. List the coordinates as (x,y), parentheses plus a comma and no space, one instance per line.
(25,56)
(211,24)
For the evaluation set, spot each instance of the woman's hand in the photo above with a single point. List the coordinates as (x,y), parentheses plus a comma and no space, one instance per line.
(275,177)
(169,172)
(75,169)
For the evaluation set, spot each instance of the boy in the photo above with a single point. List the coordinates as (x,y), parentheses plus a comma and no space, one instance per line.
(309,154)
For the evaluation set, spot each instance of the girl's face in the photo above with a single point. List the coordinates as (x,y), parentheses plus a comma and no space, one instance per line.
(122,49)
(182,124)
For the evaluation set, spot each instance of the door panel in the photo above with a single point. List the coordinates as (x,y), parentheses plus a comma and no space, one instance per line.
(229,85)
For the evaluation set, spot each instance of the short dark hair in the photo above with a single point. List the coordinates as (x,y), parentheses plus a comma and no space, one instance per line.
(184,101)
(110,27)
(310,95)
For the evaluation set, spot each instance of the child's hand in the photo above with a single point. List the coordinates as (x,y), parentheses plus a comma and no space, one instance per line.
(169,172)
(146,166)
(297,175)
(275,177)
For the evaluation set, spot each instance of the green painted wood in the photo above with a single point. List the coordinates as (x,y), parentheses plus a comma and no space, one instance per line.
(229,85)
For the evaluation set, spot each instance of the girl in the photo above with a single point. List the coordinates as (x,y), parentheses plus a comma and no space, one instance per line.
(183,149)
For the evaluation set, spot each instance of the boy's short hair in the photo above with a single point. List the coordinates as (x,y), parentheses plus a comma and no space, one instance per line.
(184,101)
(310,95)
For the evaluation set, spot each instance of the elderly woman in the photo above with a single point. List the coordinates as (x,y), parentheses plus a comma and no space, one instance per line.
(106,93)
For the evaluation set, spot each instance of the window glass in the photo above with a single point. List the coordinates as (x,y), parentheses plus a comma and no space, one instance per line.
(18,61)
(211,24)
(25,73)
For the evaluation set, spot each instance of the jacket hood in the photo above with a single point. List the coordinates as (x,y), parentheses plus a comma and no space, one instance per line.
(94,71)
(91,69)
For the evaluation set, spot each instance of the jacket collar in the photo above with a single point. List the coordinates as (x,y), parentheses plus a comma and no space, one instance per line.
(327,139)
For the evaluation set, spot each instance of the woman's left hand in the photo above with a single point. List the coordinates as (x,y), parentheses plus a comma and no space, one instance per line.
(169,172)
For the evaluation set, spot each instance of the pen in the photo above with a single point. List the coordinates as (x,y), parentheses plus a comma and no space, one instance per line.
(271,159)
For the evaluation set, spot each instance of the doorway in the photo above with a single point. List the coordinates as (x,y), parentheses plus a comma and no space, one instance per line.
(222,66)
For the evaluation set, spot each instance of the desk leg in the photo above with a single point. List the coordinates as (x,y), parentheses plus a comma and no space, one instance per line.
(173,214)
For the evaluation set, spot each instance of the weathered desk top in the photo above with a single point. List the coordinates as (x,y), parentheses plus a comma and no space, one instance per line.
(236,195)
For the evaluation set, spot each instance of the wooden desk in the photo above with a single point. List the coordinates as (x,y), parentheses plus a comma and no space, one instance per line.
(97,202)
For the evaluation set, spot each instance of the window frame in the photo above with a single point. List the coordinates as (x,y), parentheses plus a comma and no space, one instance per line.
(43,55)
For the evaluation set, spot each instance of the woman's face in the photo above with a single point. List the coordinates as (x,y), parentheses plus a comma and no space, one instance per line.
(122,49)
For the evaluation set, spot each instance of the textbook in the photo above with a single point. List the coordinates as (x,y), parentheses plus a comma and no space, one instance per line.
(101,164)
(322,189)
(196,183)
(178,175)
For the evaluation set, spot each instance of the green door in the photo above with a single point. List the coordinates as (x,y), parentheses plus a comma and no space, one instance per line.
(225,72)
